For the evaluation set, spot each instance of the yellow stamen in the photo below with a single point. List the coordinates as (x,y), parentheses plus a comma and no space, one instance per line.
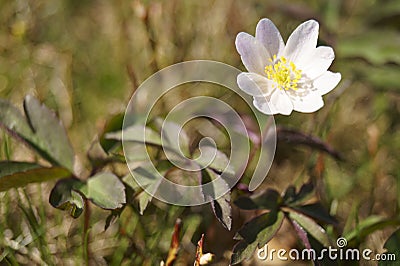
(284,74)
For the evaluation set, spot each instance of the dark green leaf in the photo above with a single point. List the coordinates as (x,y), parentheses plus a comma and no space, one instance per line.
(19,174)
(50,140)
(296,137)
(256,233)
(290,194)
(64,196)
(114,215)
(314,229)
(220,206)
(12,167)
(242,251)
(105,190)
(291,197)
(305,191)
(112,125)
(268,200)
(148,178)
(316,211)
(392,247)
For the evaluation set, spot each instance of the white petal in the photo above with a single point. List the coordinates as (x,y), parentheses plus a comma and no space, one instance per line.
(281,102)
(264,106)
(253,53)
(269,36)
(278,103)
(302,42)
(327,82)
(319,62)
(254,84)
(308,103)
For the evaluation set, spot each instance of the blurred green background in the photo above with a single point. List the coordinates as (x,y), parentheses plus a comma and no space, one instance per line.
(84,59)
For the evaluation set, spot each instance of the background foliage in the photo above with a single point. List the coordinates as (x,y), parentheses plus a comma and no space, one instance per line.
(83,60)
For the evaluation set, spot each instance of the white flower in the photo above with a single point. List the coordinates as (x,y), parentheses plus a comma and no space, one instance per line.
(283,78)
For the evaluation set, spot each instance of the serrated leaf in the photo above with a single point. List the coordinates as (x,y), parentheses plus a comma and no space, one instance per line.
(293,198)
(136,133)
(130,181)
(220,163)
(19,174)
(221,206)
(314,229)
(256,233)
(148,177)
(51,139)
(43,131)
(305,191)
(368,226)
(175,137)
(316,211)
(64,196)
(266,200)
(242,251)
(147,174)
(144,200)
(135,153)
(105,190)
(114,215)
(290,193)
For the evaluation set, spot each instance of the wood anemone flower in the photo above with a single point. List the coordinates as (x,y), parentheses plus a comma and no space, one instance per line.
(282,78)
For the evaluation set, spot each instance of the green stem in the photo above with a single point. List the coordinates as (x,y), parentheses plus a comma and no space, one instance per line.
(86,235)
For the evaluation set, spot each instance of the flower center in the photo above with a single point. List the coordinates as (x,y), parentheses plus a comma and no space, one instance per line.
(284,73)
